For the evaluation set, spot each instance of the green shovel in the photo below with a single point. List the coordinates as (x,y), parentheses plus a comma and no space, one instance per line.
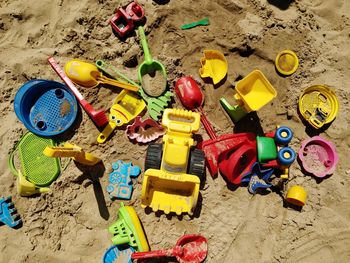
(152,73)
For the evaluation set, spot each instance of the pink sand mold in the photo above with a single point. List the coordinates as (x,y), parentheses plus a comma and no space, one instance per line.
(318,156)
(144,131)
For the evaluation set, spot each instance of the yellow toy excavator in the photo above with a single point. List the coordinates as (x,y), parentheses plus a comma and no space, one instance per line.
(174,168)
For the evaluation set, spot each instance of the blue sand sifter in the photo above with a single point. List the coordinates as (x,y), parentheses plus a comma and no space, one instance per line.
(46,108)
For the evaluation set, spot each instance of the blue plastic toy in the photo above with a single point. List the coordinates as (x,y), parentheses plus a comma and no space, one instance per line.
(45,107)
(8,213)
(115,252)
(120,183)
(257,178)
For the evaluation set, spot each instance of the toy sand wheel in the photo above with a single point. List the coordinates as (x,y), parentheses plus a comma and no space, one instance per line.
(154,156)
(197,163)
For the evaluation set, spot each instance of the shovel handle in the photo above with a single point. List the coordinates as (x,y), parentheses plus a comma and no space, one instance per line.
(207,125)
(103,136)
(117,83)
(152,254)
(147,53)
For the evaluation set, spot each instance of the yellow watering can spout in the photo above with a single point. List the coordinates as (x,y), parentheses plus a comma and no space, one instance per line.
(26,188)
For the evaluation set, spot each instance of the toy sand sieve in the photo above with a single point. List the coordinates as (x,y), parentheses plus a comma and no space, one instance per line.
(318,105)
(46,108)
(35,166)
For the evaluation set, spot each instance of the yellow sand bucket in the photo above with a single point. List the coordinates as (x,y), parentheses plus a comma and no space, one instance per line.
(254,91)
(214,66)
(318,105)
(296,195)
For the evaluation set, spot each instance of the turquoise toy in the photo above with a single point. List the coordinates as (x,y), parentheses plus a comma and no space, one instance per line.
(120,183)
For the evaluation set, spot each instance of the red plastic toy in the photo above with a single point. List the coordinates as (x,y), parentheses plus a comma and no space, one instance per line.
(233,153)
(188,249)
(124,19)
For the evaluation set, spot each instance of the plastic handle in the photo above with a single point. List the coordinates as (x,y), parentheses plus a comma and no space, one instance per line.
(65,78)
(147,53)
(152,254)
(207,125)
(106,132)
(105,67)
(117,83)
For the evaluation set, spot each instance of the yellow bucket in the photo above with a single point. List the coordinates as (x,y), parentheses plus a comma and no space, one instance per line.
(296,195)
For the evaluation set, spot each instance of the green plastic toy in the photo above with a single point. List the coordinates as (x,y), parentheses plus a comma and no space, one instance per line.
(236,112)
(155,106)
(128,229)
(35,166)
(152,73)
(267,149)
(202,22)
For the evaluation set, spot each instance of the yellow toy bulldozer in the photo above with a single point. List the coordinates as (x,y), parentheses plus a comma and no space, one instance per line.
(174,168)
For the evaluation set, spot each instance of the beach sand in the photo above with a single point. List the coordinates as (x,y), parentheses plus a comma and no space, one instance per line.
(70,223)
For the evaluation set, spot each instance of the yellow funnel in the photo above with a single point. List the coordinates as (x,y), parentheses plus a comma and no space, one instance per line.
(26,188)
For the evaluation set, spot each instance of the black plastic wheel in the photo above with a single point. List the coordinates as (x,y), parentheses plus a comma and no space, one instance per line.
(154,156)
(197,163)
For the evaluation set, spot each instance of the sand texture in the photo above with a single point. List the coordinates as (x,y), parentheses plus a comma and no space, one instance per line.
(69,225)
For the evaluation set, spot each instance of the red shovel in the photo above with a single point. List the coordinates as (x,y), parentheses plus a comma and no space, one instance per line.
(188,249)
(192,97)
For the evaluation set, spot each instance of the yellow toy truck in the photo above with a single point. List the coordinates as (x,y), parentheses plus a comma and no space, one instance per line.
(174,168)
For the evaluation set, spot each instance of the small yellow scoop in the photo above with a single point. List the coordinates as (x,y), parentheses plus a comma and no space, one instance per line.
(73,151)
(87,75)
(214,66)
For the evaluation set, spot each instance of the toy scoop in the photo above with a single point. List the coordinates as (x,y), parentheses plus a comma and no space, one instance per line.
(214,66)
(202,22)
(188,249)
(87,75)
(152,73)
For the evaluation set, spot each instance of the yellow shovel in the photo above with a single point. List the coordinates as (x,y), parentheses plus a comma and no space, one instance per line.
(87,75)
(73,151)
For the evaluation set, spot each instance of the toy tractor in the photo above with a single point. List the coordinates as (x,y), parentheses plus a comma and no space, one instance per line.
(174,168)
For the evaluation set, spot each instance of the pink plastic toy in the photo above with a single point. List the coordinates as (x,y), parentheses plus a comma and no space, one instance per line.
(318,156)
(144,131)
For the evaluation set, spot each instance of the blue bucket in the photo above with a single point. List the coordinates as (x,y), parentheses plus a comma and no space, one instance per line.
(46,108)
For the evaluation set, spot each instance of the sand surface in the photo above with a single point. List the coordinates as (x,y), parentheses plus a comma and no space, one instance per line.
(70,223)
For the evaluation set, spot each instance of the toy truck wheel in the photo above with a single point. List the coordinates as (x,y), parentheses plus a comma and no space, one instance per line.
(286,156)
(283,135)
(197,163)
(154,156)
